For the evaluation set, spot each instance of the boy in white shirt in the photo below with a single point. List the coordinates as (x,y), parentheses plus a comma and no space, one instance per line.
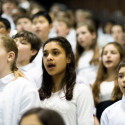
(17,94)
(28,46)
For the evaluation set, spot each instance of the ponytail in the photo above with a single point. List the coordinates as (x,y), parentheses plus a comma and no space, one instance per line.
(16,71)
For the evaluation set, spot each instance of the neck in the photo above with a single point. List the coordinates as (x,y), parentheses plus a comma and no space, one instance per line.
(22,64)
(111,75)
(57,82)
(87,49)
(44,39)
(3,74)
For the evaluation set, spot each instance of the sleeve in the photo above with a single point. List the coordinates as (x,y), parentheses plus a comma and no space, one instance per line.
(104,118)
(29,99)
(84,106)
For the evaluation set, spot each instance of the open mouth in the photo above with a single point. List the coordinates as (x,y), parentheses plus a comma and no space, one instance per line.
(37,31)
(108,61)
(51,66)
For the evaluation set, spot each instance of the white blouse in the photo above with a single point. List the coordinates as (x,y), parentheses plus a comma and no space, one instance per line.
(78,111)
(114,114)
(16,97)
(84,69)
(106,89)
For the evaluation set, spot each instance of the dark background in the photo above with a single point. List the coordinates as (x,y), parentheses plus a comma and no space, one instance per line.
(95,5)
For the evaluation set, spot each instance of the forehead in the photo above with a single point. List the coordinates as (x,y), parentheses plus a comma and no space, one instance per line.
(61,22)
(122,69)
(110,47)
(23,19)
(40,18)
(20,38)
(81,28)
(52,45)
(117,27)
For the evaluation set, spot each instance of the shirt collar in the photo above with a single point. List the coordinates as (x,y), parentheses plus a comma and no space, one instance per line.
(7,79)
(26,67)
(123,99)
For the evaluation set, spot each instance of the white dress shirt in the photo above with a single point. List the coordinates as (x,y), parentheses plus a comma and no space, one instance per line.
(114,114)
(33,73)
(78,111)
(16,97)
(38,59)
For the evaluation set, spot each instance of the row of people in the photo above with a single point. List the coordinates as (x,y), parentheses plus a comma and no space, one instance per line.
(58,91)
(86,46)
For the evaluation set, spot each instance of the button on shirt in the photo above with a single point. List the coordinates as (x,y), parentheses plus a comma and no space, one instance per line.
(114,114)
(16,97)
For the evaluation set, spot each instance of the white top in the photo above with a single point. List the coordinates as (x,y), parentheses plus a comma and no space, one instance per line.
(78,111)
(114,114)
(33,73)
(106,89)
(84,69)
(71,37)
(38,59)
(16,97)
(104,38)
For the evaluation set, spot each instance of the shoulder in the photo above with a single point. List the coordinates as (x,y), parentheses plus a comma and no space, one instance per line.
(80,88)
(24,82)
(109,110)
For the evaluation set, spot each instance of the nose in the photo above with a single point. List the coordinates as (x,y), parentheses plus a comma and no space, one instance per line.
(49,57)
(108,54)
(37,25)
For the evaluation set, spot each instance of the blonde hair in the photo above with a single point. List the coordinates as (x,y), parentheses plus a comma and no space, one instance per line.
(10,45)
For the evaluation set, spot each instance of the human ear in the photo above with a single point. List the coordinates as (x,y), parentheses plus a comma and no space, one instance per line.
(50,27)
(34,52)
(94,35)
(8,32)
(11,56)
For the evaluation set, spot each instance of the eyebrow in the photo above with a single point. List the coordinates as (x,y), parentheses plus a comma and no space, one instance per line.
(120,73)
(52,50)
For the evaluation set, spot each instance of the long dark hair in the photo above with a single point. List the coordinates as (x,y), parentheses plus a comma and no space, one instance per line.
(45,116)
(70,75)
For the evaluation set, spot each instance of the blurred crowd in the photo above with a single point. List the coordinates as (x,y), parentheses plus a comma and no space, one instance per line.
(97,42)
